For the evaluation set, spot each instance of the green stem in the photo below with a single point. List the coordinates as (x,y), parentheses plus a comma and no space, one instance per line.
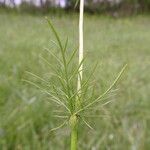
(74,119)
(74,138)
(74,131)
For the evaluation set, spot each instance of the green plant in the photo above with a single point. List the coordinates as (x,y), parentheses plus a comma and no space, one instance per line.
(73,99)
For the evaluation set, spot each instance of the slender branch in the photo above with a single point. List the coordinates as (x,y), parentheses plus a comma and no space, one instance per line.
(60,126)
(106,92)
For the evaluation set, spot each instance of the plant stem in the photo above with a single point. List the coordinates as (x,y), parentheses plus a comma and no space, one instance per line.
(80,44)
(74,119)
(74,138)
(74,131)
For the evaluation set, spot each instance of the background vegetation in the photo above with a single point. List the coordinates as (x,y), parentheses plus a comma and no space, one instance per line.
(114,7)
(26,116)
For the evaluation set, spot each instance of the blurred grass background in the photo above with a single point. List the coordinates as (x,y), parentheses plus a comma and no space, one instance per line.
(26,116)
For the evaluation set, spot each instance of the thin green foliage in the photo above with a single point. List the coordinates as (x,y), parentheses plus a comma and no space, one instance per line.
(65,93)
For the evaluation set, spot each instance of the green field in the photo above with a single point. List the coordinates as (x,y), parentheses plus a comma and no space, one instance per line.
(25,114)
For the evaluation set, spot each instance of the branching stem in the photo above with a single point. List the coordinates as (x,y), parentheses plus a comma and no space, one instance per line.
(74,129)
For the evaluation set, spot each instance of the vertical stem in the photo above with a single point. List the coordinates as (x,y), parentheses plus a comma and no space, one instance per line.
(73,118)
(74,131)
(80,44)
(74,137)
